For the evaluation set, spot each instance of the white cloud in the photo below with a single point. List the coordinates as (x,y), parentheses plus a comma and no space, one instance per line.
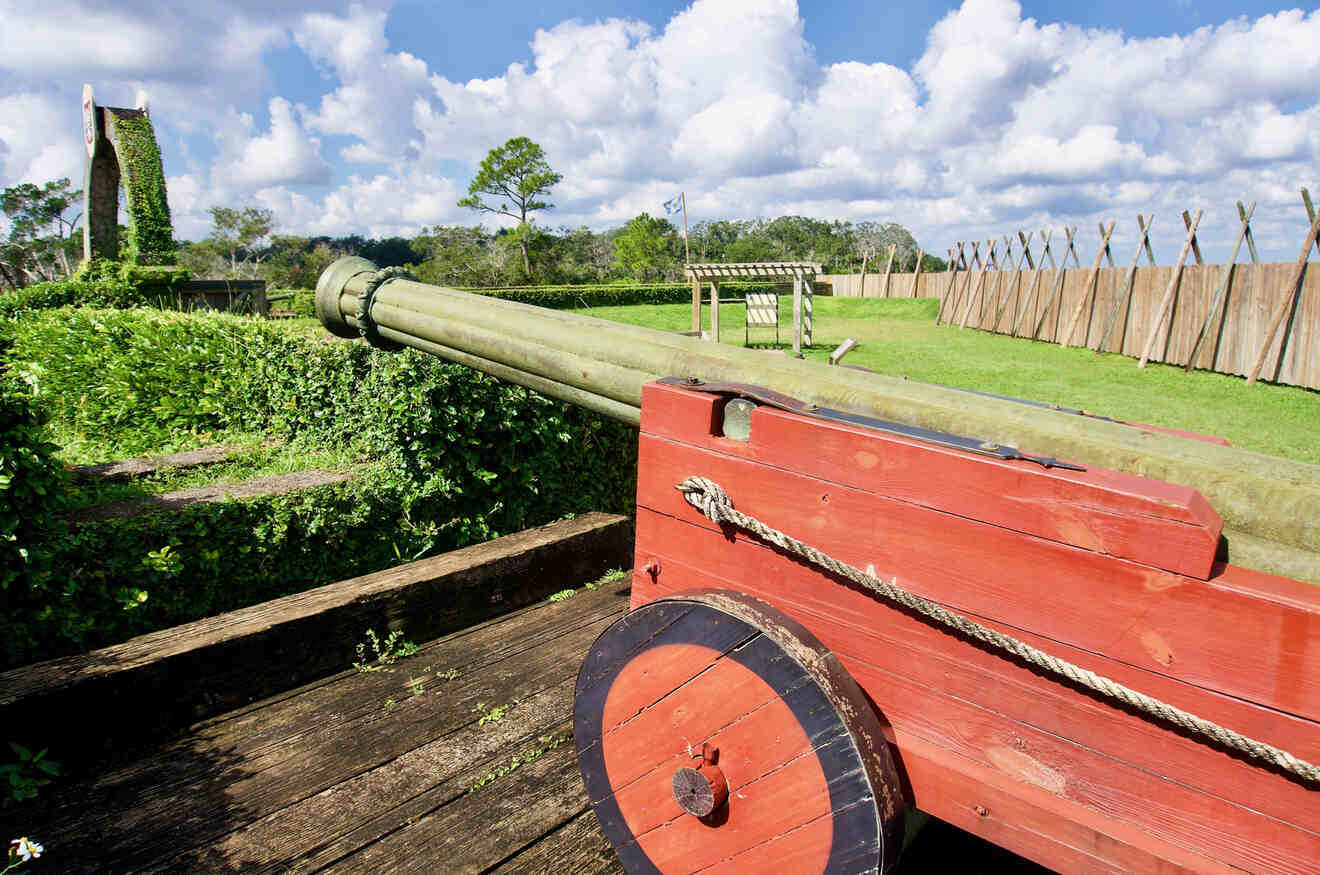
(1003,120)
(285,154)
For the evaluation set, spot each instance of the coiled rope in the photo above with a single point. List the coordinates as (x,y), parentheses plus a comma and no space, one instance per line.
(710,498)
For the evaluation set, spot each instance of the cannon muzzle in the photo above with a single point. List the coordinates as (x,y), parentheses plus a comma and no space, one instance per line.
(1269,505)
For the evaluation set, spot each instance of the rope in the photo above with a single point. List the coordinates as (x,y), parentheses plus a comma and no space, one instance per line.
(708,497)
(366,324)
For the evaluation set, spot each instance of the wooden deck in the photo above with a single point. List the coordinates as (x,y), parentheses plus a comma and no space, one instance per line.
(458,758)
(364,771)
(331,777)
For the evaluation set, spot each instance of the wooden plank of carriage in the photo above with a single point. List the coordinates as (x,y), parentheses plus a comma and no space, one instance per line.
(331,759)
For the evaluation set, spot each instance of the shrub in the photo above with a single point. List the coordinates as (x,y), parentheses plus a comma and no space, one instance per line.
(31,485)
(450,457)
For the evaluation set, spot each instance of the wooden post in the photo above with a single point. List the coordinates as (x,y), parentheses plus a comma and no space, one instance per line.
(1017,276)
(1113,282)
(992,297)
(696,306)
(967,283)
(953,282)
(1196,247)
(1129,281)
(715,310)
(1225,278)
(916,277)
(1088,289)
(1290,292)
(1169,292)
(808,306)
(1058,281)
(1045,234)
(884,292)
(797,315)
(972,298)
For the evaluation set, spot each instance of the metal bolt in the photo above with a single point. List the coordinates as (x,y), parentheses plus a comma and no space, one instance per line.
(652,568)
(990,446)
(701,790)
(981,810)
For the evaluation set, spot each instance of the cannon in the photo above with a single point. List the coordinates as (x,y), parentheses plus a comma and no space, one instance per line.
(1094,643)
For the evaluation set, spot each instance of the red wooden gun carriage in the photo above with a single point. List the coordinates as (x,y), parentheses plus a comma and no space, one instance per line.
(836,616)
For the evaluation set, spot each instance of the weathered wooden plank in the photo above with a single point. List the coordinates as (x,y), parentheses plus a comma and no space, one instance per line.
(484,829)
(1169,293)
(170,502)
(1290,291)
(129,469)
(270,758)
(1159,524)
(1088,289)
(578,847)
(248,654)
(1187,629)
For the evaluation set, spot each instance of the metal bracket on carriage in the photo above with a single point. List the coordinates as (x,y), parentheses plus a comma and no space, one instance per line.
(778,400)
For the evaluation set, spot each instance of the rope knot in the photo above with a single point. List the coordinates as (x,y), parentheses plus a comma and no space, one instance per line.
(706,496)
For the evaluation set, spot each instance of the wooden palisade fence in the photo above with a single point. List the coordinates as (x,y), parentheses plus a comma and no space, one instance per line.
(1253,319)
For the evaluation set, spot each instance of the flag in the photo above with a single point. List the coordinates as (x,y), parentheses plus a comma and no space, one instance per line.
(674,205)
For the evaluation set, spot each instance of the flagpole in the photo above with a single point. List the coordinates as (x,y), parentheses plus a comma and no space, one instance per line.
(687,253)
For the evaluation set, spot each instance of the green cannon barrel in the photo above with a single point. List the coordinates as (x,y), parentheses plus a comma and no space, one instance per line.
(1270,506)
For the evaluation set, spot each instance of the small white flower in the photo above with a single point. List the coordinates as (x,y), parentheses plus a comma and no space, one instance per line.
(26,848)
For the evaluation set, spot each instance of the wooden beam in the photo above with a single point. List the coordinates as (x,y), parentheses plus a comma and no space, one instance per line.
(953,283)
(1226,275)
(992,299)
(1169,292)
(1070,233)
(1017,276)
(1046,234)
(1088,288)
(1129,280)
(1291,290)
(696,305)
(884,293)
(967,283)
(916,277)
(1196,247)
(715,310)
(991,261)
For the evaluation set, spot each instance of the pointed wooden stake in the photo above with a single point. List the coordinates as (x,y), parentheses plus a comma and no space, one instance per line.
(1225,277)
(1290,292)
(1017,276)
(1129,280)
(1070,233)
(1169,292)
(1045,234)
(980,283)
(1088,289)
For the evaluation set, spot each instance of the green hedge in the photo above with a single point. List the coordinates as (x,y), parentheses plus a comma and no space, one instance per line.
(106,284)
(31,485)
(452,457)
(303,302)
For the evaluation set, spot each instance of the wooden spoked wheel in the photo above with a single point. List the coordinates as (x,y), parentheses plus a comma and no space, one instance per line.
(716,734)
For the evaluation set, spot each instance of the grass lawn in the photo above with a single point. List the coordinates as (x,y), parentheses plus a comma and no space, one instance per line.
(900,337)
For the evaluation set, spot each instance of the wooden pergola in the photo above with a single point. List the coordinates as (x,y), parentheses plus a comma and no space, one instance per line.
(802,273)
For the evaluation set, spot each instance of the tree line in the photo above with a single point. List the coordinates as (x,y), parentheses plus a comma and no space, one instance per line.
(513,181)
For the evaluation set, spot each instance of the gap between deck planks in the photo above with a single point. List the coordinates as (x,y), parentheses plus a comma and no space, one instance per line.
(326,775)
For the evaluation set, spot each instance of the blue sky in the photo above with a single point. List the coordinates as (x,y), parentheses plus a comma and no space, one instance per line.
(959,121)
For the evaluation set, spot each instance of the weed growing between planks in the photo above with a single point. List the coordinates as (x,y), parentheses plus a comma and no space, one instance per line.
(384,653)
(547,744)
